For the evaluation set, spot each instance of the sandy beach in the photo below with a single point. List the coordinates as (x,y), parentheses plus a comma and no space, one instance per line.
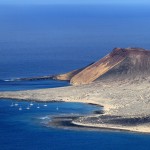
(122,99)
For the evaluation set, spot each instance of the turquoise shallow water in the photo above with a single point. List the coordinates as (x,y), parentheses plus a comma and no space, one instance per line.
(44,40)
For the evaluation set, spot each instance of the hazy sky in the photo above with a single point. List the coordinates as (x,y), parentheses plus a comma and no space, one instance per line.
(74,1)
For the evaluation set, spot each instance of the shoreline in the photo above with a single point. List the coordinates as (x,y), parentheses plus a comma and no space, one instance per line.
(128,101)
(69,122)
(107,127)
(119,128)
(66,122)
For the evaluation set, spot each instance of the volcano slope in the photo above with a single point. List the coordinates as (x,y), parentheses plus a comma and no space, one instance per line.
(119,82)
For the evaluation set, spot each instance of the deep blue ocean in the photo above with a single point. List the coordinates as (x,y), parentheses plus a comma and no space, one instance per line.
(44,40)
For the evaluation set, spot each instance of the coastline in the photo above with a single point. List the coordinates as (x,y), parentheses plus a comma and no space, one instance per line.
(116,99)
(139,129)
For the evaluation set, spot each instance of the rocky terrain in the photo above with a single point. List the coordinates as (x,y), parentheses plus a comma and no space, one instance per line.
(119,82)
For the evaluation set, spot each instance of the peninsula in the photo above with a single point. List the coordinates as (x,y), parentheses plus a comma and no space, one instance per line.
(120,82)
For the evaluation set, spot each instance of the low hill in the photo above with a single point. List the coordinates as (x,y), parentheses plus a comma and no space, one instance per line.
(121,63)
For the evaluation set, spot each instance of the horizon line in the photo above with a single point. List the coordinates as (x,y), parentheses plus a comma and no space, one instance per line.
(42,4)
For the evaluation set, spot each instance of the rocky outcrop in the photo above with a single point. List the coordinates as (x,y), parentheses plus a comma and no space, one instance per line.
(126,105)
(67,76)
(120,64)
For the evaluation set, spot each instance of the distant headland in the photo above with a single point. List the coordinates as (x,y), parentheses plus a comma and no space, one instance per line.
(119,82)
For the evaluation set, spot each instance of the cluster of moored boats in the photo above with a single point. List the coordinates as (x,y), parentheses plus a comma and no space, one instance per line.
(28,107)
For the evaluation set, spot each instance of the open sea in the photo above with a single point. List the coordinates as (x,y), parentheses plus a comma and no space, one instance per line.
(52,39)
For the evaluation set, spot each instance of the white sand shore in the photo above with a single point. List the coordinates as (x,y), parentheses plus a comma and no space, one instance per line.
(123,99)
(140,128)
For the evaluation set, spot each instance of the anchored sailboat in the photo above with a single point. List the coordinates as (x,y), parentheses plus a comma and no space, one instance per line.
(12,105)
(38,106)
(45,105)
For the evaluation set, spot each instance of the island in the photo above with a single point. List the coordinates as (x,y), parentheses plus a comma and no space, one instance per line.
(120,82)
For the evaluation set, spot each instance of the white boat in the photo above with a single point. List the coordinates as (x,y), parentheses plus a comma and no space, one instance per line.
(57,108)
(16,104)
(38,106)
(20,108)
(31,104)
(28,108)
(45,105)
